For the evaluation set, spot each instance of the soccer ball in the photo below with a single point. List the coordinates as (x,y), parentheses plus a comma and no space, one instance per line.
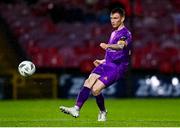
(26,68)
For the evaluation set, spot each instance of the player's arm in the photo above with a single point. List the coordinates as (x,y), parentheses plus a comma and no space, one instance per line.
(119,46)
(98,62)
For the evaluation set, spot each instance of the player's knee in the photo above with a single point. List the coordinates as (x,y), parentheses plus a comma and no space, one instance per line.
(95,92)
(87,83)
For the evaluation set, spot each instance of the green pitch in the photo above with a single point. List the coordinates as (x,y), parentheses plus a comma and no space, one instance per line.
(121,112)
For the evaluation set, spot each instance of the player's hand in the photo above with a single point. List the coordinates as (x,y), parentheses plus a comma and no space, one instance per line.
(98,62)
(104,46)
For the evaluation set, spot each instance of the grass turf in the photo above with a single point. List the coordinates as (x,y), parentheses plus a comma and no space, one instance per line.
(121,112)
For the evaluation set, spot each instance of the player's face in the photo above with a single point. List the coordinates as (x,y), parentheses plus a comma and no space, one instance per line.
(116,20)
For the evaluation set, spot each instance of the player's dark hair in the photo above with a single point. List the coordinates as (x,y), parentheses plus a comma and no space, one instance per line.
(118,10)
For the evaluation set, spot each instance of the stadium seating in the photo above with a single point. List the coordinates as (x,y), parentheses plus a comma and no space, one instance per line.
(62,41)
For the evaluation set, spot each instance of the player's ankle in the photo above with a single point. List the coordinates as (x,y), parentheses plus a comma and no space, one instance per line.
(77,107)
(103,110)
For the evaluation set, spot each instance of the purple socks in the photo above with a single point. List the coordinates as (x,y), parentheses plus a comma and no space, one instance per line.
(100,102)
(83,96)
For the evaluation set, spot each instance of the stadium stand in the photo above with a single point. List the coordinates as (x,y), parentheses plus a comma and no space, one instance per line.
(65,33)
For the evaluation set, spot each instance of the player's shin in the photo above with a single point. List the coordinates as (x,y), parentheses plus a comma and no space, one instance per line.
(100,102)
(82,97)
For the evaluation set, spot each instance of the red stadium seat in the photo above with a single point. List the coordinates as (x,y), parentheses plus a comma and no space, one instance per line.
(48,26)
(166,67)
(86,66)
(177,66)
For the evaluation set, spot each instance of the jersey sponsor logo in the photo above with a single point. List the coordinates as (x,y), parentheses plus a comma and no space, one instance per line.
(105,78)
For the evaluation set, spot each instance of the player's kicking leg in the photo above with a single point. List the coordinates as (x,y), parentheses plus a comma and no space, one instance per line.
(82,97)
(74,111)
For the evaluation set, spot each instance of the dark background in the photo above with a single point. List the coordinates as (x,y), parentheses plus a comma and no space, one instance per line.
(62,37)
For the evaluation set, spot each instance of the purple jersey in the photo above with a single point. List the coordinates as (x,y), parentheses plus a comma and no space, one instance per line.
(119,56)
(117,61)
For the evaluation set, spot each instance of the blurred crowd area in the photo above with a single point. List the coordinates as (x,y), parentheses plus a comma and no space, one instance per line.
(67,33)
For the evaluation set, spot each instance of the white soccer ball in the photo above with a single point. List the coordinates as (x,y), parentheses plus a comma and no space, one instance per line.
(26,68)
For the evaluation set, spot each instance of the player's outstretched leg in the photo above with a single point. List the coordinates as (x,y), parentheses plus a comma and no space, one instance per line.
(82,97)
(70,110)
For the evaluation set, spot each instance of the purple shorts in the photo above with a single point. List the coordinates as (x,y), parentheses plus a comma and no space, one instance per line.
(110,73)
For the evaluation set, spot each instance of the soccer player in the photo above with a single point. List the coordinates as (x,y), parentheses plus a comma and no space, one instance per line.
(108,70)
